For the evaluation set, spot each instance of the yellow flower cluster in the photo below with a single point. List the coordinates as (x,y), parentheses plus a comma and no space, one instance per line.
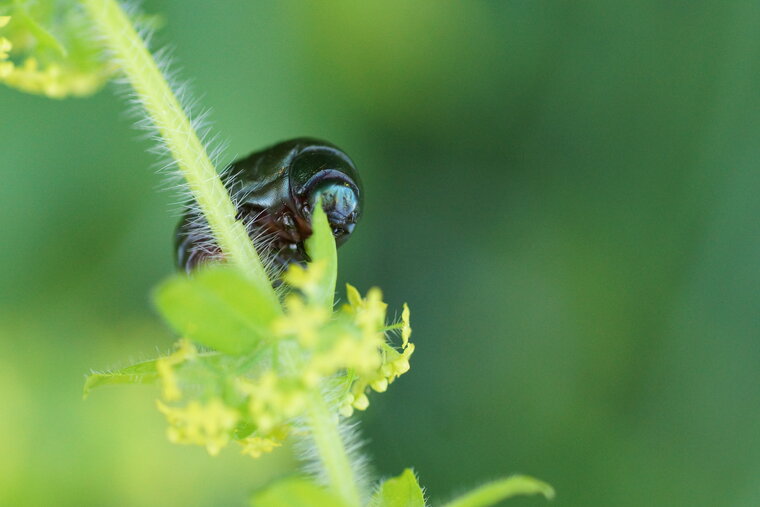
(255,447)
(44,66)
(306,279)
(212,424)
(165,369)
(354,340)
(370,313)
(314,349)
(209,424)
(52,80)
(273,399)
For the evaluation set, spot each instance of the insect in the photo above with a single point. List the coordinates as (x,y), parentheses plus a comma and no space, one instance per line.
(276,190)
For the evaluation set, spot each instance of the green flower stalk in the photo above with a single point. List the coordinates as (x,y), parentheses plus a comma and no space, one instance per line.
(253,366)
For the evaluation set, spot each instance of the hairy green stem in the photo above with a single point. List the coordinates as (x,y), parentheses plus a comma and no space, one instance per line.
(324,433)
(167,115)
(332,452)
(188,151)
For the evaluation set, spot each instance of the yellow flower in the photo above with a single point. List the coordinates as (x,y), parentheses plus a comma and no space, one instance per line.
(258,444)
(361,355)
(369,312)
(209,425)
(374,361)
(379,385)
(346,408)
(51,80)
(354,298)
(273,399)
(406,330)
(301,320)
(361,402)
(165,367)
(401,364)
(308,279)
(396,363)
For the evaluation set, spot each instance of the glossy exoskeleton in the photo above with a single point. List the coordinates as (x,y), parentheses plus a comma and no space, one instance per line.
(275,190)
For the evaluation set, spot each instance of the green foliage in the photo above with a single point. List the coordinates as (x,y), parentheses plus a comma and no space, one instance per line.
(139,373)
(268,364)
(217,307)
(401,491)
(321,248)
(296,491)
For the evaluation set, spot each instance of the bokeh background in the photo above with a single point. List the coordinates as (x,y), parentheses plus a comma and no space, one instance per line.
(566,192)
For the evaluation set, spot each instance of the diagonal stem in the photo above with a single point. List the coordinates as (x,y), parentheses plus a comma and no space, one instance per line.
(332,450)
(183,143)
(175,128)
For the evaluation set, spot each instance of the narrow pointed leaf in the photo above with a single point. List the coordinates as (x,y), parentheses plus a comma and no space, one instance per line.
(401,491)
(140,373)
(218,307)
(494,492)
(295,492)
(321,248)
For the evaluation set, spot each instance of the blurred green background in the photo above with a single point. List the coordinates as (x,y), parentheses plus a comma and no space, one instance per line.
(566,193)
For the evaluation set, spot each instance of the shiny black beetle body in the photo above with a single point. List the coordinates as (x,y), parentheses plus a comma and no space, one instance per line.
(275,190)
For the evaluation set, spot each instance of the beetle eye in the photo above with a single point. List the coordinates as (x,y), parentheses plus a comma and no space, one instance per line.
(341,203)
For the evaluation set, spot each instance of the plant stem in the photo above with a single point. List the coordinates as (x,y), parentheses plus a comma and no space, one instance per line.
(172,123)
(332,452)
(324,433)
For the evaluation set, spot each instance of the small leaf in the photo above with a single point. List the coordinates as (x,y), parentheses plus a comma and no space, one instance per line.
(140,373)
(218,307)
(401,491)
(295,492)
(43,36)
(496,491)
(321,247)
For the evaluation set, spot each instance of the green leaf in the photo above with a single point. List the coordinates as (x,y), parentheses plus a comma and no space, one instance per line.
(401,491)
(321,247)
(295,492)
(140,373)
(43,36)
(496,491)
(219,307)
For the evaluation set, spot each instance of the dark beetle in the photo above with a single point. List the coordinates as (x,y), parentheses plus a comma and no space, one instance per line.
(276,190)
